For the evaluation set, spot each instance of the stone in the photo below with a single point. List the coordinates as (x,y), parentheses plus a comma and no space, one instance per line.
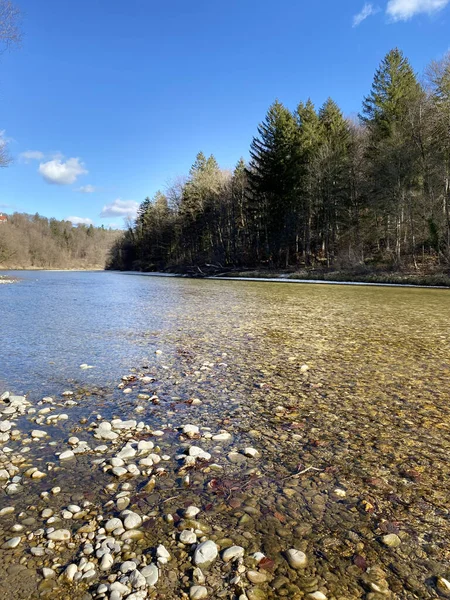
(67,455)
(132,521)
(106,562)
(38,434)
(205,554)
(119,471)
(127,566)
(144,447)
(317,596)
(7,510)
(151,574)
(197,592)
(256,576)
(12,543)
(59,535)
(162,553)
(197,452)
(188,537)
(48,573)
(224,436)
(126,453)
(251,452)
(113,524)
(69,573)
(191,512)
(137,580)
(296,558)
(391,540)
(191,431)
(232,553)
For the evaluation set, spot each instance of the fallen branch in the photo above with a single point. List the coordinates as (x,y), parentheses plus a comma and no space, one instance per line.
(295,475)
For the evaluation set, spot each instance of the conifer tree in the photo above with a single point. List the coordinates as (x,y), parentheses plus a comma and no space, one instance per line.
(274,179)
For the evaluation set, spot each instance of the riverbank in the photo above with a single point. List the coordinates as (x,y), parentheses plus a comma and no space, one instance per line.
(441,280)
(431,278)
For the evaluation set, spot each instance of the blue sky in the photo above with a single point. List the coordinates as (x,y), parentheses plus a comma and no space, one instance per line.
(107,101)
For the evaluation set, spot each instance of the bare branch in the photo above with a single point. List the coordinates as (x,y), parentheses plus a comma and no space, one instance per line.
(10,33)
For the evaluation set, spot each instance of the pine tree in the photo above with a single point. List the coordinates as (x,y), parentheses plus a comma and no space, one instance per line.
(334,169)
(392,156)
(309,143)
(273,179)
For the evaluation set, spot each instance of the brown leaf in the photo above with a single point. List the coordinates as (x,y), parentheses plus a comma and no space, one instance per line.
(360,562)
(266,563)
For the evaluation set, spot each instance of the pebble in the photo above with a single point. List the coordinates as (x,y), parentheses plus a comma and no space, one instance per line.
(67,455)
(126,452)
(296,558)
(7,510)
(151,574)
(59,535)
(317,596)
(132,521)
(48,573)
(205,554)
(127,566)
(232,553)
(106,562)
(38,434)
(12,543)
(191,431)
(221,437)
(188,537)
(197,592)
(70,572)
(191,512)
(391,540)
(256,576)
(113,524)
(251,452)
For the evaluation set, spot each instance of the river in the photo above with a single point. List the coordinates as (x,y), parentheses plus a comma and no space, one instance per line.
(341,393)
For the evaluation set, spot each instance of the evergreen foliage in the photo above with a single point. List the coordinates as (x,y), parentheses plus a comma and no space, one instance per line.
(319,189)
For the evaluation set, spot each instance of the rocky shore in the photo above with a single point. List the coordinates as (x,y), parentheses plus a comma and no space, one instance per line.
(166,498)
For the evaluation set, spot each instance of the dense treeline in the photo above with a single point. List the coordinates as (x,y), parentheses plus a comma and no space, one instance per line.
(319,189)
(32,241)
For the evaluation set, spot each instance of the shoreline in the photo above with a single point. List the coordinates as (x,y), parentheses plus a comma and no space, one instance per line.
(282,278)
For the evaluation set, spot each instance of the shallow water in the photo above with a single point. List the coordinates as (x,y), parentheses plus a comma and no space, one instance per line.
(371,415)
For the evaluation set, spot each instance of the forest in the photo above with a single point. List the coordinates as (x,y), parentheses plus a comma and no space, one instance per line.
(319,191)
(33,241)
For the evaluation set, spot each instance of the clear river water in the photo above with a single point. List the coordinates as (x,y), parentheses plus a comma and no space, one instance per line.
(342,391)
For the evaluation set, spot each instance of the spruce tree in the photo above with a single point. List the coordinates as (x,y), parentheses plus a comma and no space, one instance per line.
(273,179)
(392,155)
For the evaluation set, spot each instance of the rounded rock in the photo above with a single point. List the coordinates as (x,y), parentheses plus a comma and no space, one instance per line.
(296,558)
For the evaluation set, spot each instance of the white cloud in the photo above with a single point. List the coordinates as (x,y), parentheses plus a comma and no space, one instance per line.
(62,173)
(80,221)
(402,10)
(120,208)
(32,155)
(367,11)
(87,189)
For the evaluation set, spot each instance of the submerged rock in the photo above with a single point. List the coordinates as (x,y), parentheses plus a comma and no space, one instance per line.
(205,554)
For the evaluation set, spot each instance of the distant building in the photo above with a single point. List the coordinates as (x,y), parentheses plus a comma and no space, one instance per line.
(3,218)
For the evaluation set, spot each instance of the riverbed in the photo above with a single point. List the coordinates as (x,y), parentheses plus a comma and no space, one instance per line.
(307,421)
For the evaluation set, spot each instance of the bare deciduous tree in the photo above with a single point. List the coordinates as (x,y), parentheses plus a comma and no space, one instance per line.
(10,34)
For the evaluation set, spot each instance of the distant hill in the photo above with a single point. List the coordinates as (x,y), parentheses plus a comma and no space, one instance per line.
(33,241)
